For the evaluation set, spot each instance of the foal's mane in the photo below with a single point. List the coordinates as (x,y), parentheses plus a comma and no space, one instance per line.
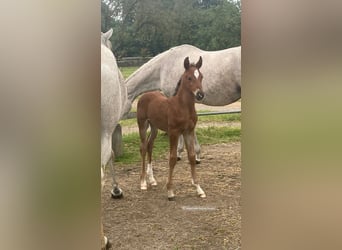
(180,81)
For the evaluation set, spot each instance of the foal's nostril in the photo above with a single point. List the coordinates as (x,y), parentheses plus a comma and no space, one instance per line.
(199,95)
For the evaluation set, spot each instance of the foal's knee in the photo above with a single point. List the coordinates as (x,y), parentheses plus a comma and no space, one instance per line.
(192,158)
(173,159)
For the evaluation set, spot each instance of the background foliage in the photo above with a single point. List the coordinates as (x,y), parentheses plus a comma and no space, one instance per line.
(148,27)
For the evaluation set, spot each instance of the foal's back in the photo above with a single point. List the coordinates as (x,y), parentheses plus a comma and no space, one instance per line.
(153,106)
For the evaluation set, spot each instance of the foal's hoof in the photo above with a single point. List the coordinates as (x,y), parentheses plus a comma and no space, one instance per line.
(116,193)
(202,195)
(171,198)
(198,161)
(143,186)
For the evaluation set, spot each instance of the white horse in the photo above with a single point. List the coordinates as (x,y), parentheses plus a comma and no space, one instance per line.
(113,101)
(221,83)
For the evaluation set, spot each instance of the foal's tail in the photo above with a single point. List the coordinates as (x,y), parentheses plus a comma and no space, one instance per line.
(142,118)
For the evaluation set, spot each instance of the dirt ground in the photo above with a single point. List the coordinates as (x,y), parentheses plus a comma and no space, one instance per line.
(147,220)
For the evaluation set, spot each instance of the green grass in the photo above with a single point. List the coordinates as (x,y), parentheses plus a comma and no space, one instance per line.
(219,118)
(210,135)
(210,118)
(129,122)
(127,71)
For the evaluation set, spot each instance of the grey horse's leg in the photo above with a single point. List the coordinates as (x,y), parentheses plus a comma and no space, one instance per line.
(116,191)
(180,149)
(197,150)
(189,143)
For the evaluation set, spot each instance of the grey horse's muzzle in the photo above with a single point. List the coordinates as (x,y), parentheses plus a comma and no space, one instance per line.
(199,95)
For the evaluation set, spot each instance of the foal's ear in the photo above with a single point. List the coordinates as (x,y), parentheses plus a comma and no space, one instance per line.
(199,63)
(186,63)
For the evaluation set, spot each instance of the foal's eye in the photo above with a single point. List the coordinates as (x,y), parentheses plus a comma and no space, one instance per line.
(189,78)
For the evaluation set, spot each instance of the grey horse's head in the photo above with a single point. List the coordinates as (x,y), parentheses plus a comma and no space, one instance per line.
(105,38)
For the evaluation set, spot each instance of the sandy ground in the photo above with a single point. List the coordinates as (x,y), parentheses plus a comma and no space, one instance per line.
(147,220)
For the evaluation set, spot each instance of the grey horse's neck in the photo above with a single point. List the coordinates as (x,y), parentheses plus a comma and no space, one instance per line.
(145,79)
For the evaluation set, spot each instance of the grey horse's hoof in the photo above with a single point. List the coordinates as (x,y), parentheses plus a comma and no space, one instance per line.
(116,193)
(178,158)
(198,162)
(108,245)
(171,198)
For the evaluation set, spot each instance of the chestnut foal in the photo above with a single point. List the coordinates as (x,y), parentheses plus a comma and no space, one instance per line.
(176,116)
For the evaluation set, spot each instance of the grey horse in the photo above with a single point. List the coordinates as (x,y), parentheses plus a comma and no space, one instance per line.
(221,83)
(113,102)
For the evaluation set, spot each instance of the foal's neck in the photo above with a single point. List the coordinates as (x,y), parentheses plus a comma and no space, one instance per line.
(186,98)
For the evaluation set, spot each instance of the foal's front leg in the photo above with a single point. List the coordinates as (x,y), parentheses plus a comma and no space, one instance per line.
(189,143)
(172,162)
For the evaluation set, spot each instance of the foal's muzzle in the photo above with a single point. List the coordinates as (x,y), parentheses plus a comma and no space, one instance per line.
(199,95)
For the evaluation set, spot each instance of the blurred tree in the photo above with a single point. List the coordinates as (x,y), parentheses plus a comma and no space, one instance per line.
(148,27)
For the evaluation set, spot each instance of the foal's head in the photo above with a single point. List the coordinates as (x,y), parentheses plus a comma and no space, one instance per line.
(192,78)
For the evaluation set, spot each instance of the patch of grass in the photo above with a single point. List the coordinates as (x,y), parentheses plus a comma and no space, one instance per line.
(132,147)
(210,118)
(210,135)
(214,135)
(129,122)
(127,71)
(220,118)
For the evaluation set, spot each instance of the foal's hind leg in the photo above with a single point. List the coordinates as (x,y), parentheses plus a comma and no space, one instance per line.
(152,137)
(143,126)
(189,143)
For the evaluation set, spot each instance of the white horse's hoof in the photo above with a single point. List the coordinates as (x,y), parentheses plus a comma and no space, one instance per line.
(154,183)
(171,198)
(198,159)
(170,195)
(108,244)
(116,193)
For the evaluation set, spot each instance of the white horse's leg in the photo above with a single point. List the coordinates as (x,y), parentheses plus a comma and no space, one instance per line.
(116,191)
(180,147)
(189,143)
(197,150)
